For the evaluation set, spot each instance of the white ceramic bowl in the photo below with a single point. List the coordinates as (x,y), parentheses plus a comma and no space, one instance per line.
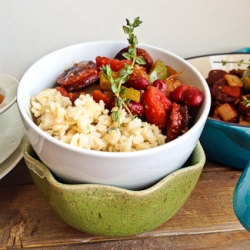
(131,170)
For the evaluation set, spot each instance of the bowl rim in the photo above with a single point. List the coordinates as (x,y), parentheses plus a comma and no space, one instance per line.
(160,148)
(218,54)
(230,124)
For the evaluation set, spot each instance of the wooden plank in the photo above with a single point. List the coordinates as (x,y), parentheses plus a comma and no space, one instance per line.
(17,176)
(222,241)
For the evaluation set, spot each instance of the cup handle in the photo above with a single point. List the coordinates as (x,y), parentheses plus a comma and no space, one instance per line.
(241,198)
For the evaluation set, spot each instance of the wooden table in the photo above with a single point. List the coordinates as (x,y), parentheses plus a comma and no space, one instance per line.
(206,221)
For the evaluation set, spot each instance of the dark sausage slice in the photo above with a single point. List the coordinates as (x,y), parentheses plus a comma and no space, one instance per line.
(178,121)
(217,93)
(79,76)
(214,76)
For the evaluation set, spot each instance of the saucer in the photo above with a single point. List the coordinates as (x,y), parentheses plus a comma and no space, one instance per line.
(13,159)
(11,132)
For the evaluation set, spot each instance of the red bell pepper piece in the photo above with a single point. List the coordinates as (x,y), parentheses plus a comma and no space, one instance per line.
(156,106)
(115,64)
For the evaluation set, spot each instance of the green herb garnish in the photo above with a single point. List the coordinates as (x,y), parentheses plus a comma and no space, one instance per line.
(239,62)
(246,101)
(124,74)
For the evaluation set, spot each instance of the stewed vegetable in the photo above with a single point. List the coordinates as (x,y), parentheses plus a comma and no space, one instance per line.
(230,95)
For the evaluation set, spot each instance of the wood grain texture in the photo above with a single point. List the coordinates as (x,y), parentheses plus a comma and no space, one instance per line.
(205,221)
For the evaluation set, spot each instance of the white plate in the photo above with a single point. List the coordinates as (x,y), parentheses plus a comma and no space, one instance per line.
(206,63)
(8,88)
(11,162)
(11,131)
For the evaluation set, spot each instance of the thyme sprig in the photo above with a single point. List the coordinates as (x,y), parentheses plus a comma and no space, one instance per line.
(238,62)
(124,74)
(133,41)
(116,87)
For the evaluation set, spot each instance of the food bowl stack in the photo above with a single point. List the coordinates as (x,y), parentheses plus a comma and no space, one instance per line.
(131,170)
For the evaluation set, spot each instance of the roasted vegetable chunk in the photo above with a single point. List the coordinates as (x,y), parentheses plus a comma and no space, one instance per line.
(79,76)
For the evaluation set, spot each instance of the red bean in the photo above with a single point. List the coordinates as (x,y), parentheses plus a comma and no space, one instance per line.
(135,108)
(139,83)
(176,94)
(161,85)
(192,96)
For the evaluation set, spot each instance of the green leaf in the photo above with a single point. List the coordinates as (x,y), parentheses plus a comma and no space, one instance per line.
(135,41)
(123,90)
(128,23)
(125,78)
(107,70)
(126,29)
(140,60)
(119,102)
(114,88)
(137,22)
(129,69)
(115,116)
(132,50)
(127,101)
(117,80)
(240,62)
(128,56)
(246,101)
(224,62)
(123,72)
(130,40)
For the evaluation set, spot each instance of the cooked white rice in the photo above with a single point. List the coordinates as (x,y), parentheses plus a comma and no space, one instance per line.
(87,124)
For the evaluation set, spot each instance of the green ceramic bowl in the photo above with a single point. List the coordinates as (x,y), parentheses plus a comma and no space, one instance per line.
(111,211)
